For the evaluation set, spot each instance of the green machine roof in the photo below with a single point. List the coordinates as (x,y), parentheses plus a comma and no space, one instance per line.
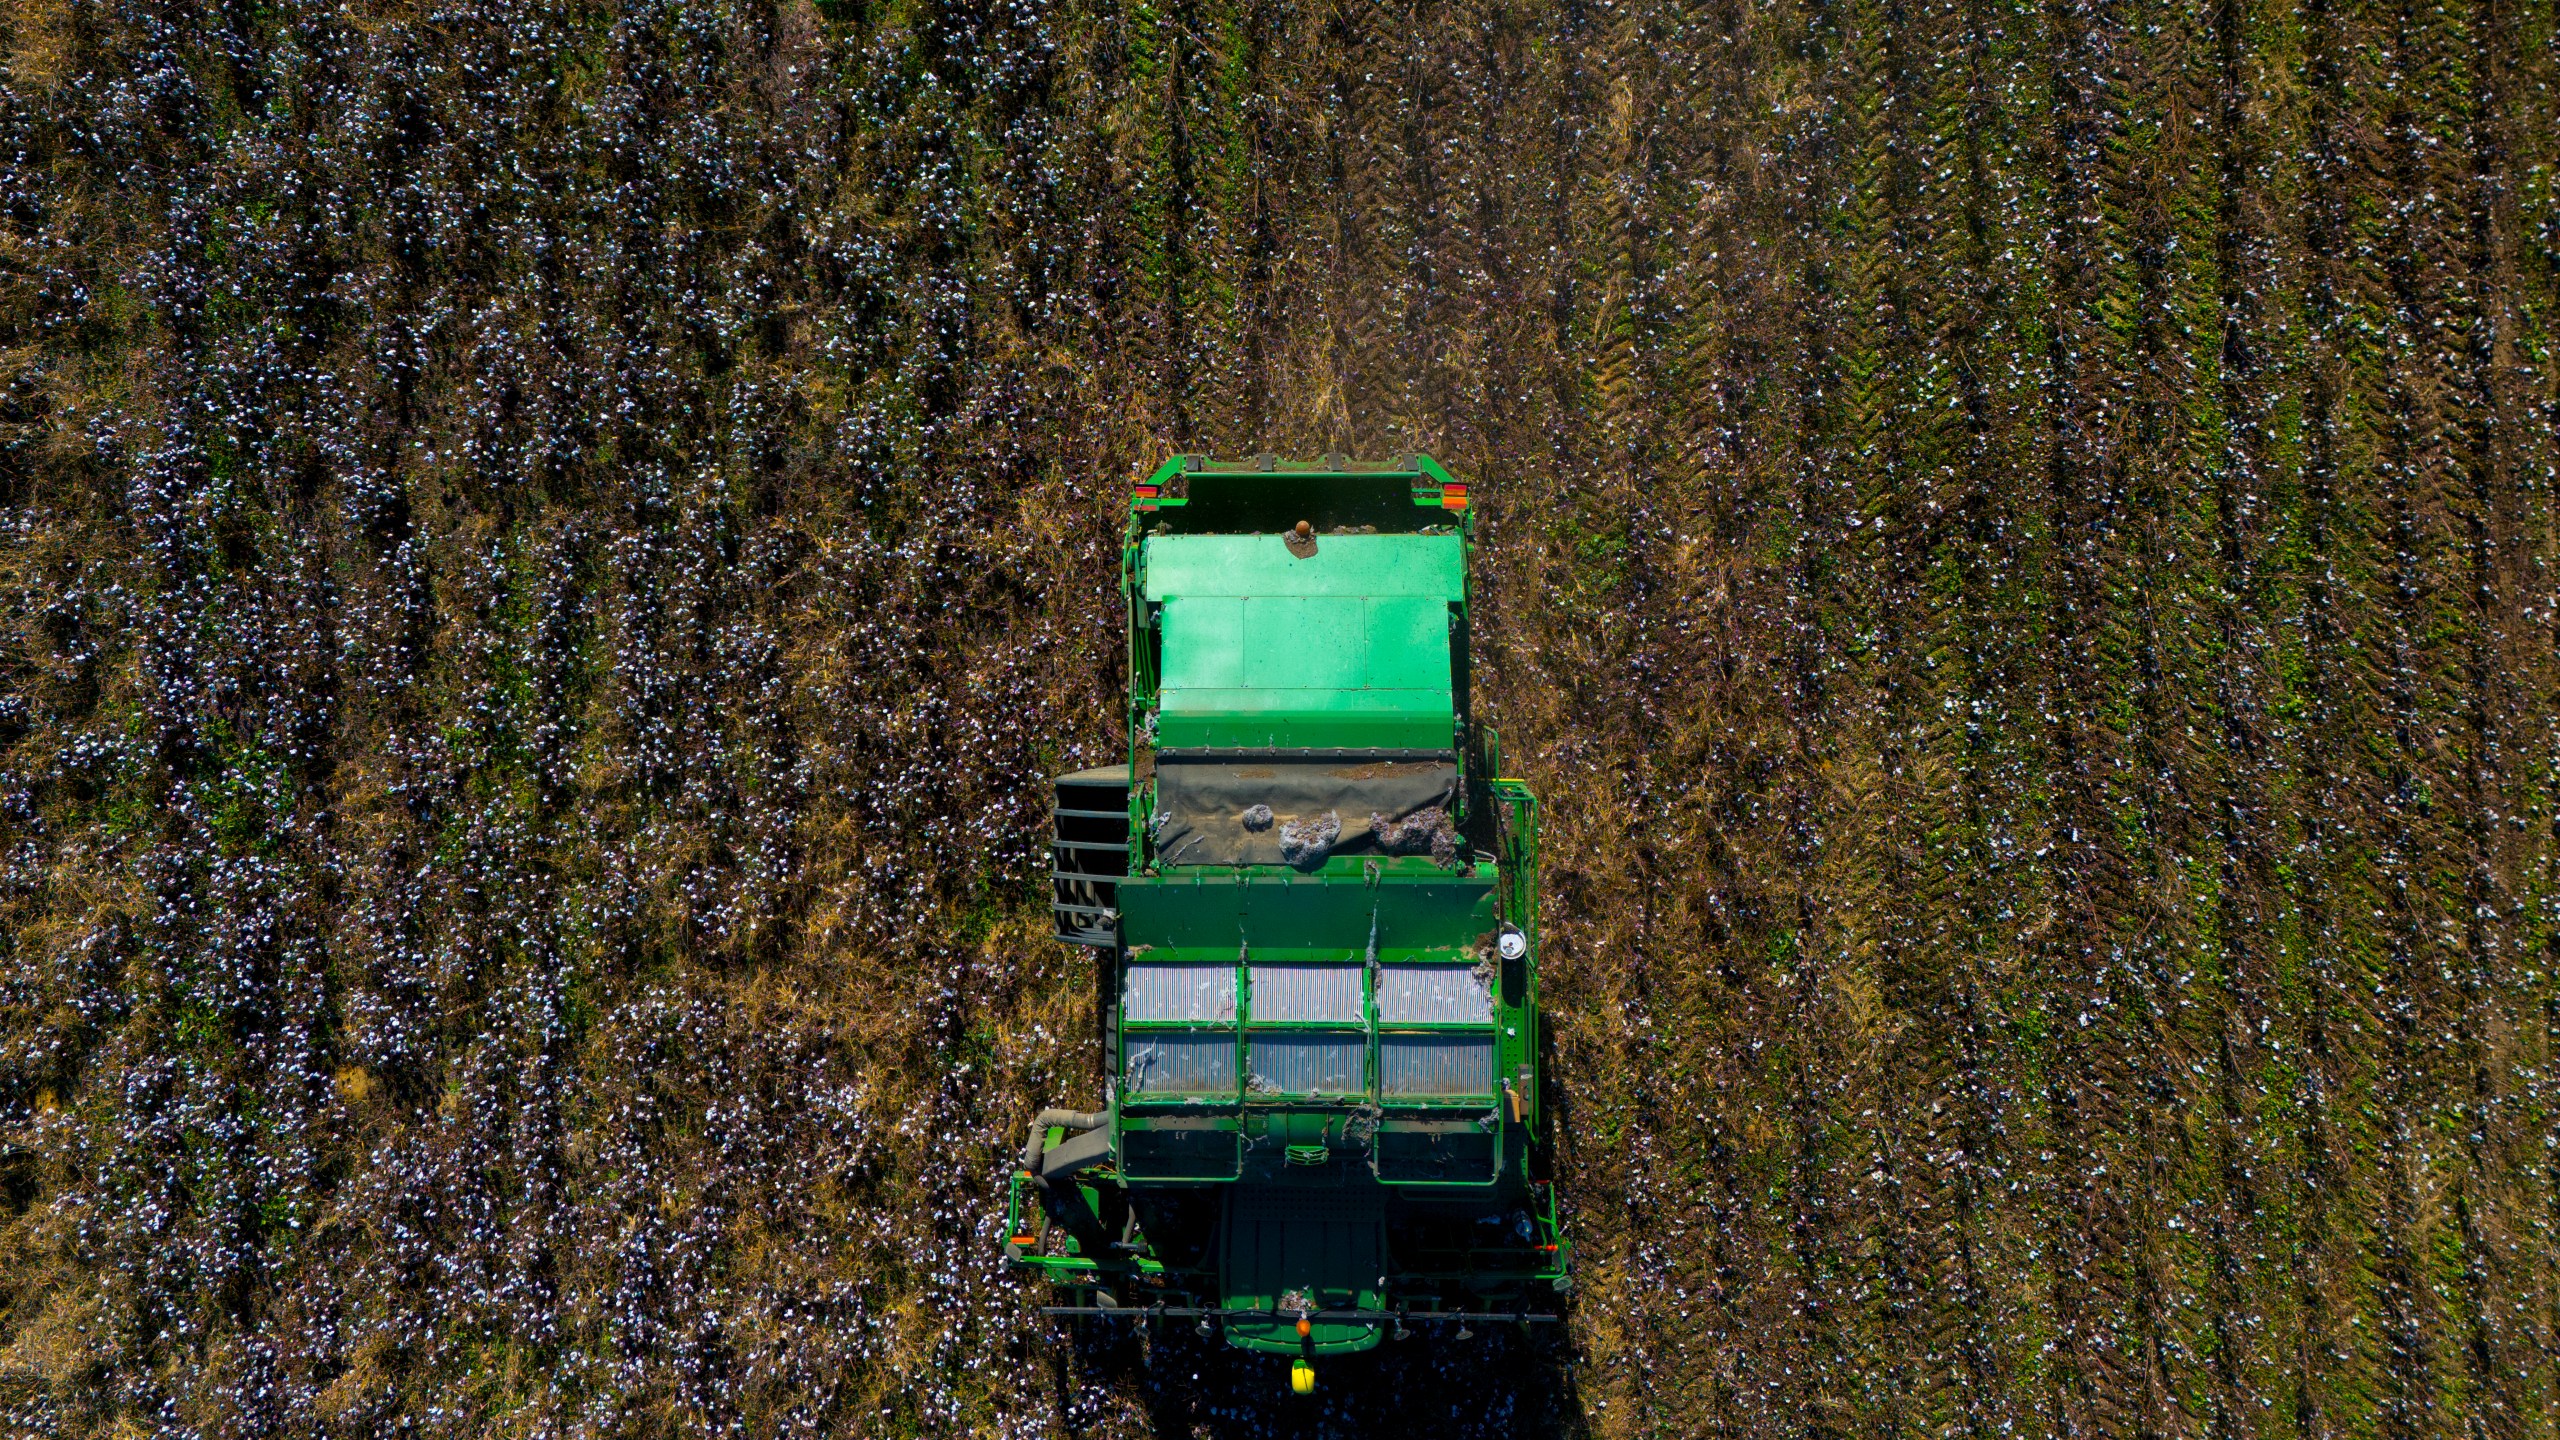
(1348,647)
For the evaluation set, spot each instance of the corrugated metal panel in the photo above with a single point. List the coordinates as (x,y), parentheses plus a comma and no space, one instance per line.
(1179,992)
(1435,1065)
(1202,1064)
(1310,994)
(1433,995)
(1299,1062)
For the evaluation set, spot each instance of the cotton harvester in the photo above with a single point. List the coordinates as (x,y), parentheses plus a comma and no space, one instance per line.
(1312,902)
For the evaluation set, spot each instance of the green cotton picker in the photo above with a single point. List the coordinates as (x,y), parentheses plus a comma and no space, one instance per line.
(1312,899)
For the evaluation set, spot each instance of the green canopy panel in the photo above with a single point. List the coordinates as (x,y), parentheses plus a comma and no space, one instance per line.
(1306,671)
(1347,648)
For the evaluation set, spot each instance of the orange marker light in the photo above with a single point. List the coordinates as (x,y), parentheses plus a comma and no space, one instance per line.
(1453,497)
(1304,1328)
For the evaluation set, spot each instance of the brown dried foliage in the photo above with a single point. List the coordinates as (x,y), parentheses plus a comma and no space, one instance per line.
(550,549)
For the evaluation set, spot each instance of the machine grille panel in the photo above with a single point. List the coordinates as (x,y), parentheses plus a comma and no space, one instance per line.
(1184,1154)
(1305,1063)
(1180,992)
(1182,1064)
(1430,1066)
(1436,1154)
(1433,995)
(1307,994)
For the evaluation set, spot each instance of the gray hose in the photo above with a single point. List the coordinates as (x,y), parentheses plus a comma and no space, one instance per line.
(1072,1119)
